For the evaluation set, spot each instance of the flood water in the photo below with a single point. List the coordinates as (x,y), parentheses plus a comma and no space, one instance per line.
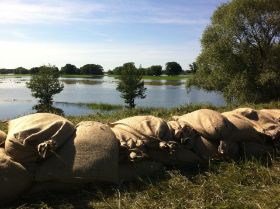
(16,99)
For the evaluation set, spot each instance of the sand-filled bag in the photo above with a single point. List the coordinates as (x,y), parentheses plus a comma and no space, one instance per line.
(34,137)
(3,137)
(132,171)
(208,123)
(257,130)
(190,152)
(141,128)
(91,155)
(264,121)
(139,132)
(14,178)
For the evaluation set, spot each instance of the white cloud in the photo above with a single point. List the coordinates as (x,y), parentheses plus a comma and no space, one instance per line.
(14,54)
(21,12)
(63,11)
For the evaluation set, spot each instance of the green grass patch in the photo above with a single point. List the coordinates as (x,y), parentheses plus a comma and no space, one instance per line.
(103,106)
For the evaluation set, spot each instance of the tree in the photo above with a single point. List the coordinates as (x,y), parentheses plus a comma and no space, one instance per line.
(70,69)
(45,84)
(193,67)
(92,69)
(155,70)
(21,70)
(130,84)
(173,68)
(241,53)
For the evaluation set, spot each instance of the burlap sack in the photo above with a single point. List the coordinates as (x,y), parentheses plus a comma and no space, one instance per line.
(3,137)
(138,132)
(181,156)
(90,156)
(255,128)
(141,128)
(208,123)
(193,151)
(132,171)
(264,121)
(35,136)
(274,113)
(14,178)
(244,128)
(243,149)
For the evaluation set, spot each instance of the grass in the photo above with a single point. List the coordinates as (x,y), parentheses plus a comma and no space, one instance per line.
(228,184)
(103,106)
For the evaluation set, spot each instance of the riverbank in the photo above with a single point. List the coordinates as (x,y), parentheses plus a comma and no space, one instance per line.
(243,184)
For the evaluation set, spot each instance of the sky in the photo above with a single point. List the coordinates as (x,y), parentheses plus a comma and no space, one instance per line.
(105,32)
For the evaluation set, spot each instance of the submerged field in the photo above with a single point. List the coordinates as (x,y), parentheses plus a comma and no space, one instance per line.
(230,184)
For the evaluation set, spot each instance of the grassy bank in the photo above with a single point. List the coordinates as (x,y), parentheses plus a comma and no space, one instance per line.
(243,184)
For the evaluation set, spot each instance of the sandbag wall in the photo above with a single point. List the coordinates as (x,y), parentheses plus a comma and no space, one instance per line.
(44,151)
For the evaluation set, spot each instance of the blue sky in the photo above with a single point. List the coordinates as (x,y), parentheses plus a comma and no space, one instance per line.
(105,32)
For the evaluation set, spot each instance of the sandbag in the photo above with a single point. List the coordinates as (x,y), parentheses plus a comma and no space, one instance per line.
(208,123)
(138,132)
(181,156)
(141,128)
(243,149)
(14,178)
(132,171)
(193,151)
(255,128)
(244,128)
(3,137)
(264,121)
(91,155)
(36,136)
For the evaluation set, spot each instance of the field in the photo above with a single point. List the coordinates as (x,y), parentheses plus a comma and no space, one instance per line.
(247,183)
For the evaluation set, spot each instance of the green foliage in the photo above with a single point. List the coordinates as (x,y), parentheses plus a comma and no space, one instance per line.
(92,69)
(173,68)
(21,70)
(241,52)
(131,85)
(70,69)
(155,70)
(193,67)
(45,84)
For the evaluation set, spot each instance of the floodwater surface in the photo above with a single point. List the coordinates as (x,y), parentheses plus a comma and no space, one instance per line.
(16,99)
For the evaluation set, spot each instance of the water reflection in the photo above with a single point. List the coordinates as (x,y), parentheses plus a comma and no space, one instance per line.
(49,108)
(83,82)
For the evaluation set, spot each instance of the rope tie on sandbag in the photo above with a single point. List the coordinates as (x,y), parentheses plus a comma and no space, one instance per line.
(135,149)
(46,147)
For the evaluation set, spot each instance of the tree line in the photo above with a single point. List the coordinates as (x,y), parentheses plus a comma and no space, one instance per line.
(88,69)
(171,68)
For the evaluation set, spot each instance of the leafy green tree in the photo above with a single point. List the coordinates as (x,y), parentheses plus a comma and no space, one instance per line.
(241,53)
(193,67)
(21,70)
(130,84)
(173,68)
(70,69)
(117,70)
(155,70)
(92,69)
(45,84)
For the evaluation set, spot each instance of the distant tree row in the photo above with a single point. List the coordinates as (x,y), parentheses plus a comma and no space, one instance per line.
(88,69)
(171,69)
